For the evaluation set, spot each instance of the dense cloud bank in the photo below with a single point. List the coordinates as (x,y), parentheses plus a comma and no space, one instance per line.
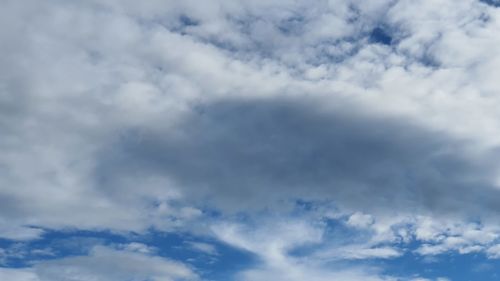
(255,153)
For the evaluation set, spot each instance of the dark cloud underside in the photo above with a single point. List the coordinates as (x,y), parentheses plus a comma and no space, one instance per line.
(253,153)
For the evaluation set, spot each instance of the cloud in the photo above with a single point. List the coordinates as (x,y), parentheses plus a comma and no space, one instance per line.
(203,248)
(256,152)
(17,275)
(358,252)
(360,220)
(494,251)
(109,83)
(138,247)
(273,241)
(105,264)
(444,236)
(172,116)
(16,232)
(297,273)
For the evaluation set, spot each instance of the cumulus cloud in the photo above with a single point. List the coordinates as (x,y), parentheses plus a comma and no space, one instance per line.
(130,117)
(128,74)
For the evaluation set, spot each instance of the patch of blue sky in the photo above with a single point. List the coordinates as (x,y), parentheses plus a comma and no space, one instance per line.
(227,261)
(380,36)
(494,3)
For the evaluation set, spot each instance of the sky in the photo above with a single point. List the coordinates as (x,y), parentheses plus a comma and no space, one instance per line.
(249,140)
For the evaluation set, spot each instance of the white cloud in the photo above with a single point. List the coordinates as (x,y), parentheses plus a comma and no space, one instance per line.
(133,260)
(294,272)
(138,247)
(108,264)
(272,243)
(367,253)
(360,220)
(17,275)
(17,232)
(203,247)
(494,251)
(441,236)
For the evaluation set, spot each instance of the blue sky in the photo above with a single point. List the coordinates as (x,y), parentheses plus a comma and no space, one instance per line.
(249,140)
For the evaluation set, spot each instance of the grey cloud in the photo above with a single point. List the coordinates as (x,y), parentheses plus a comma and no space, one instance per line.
(247,153)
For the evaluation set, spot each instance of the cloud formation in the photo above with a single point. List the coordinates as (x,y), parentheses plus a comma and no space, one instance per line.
(350,131)
(104,264)
(262,151)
